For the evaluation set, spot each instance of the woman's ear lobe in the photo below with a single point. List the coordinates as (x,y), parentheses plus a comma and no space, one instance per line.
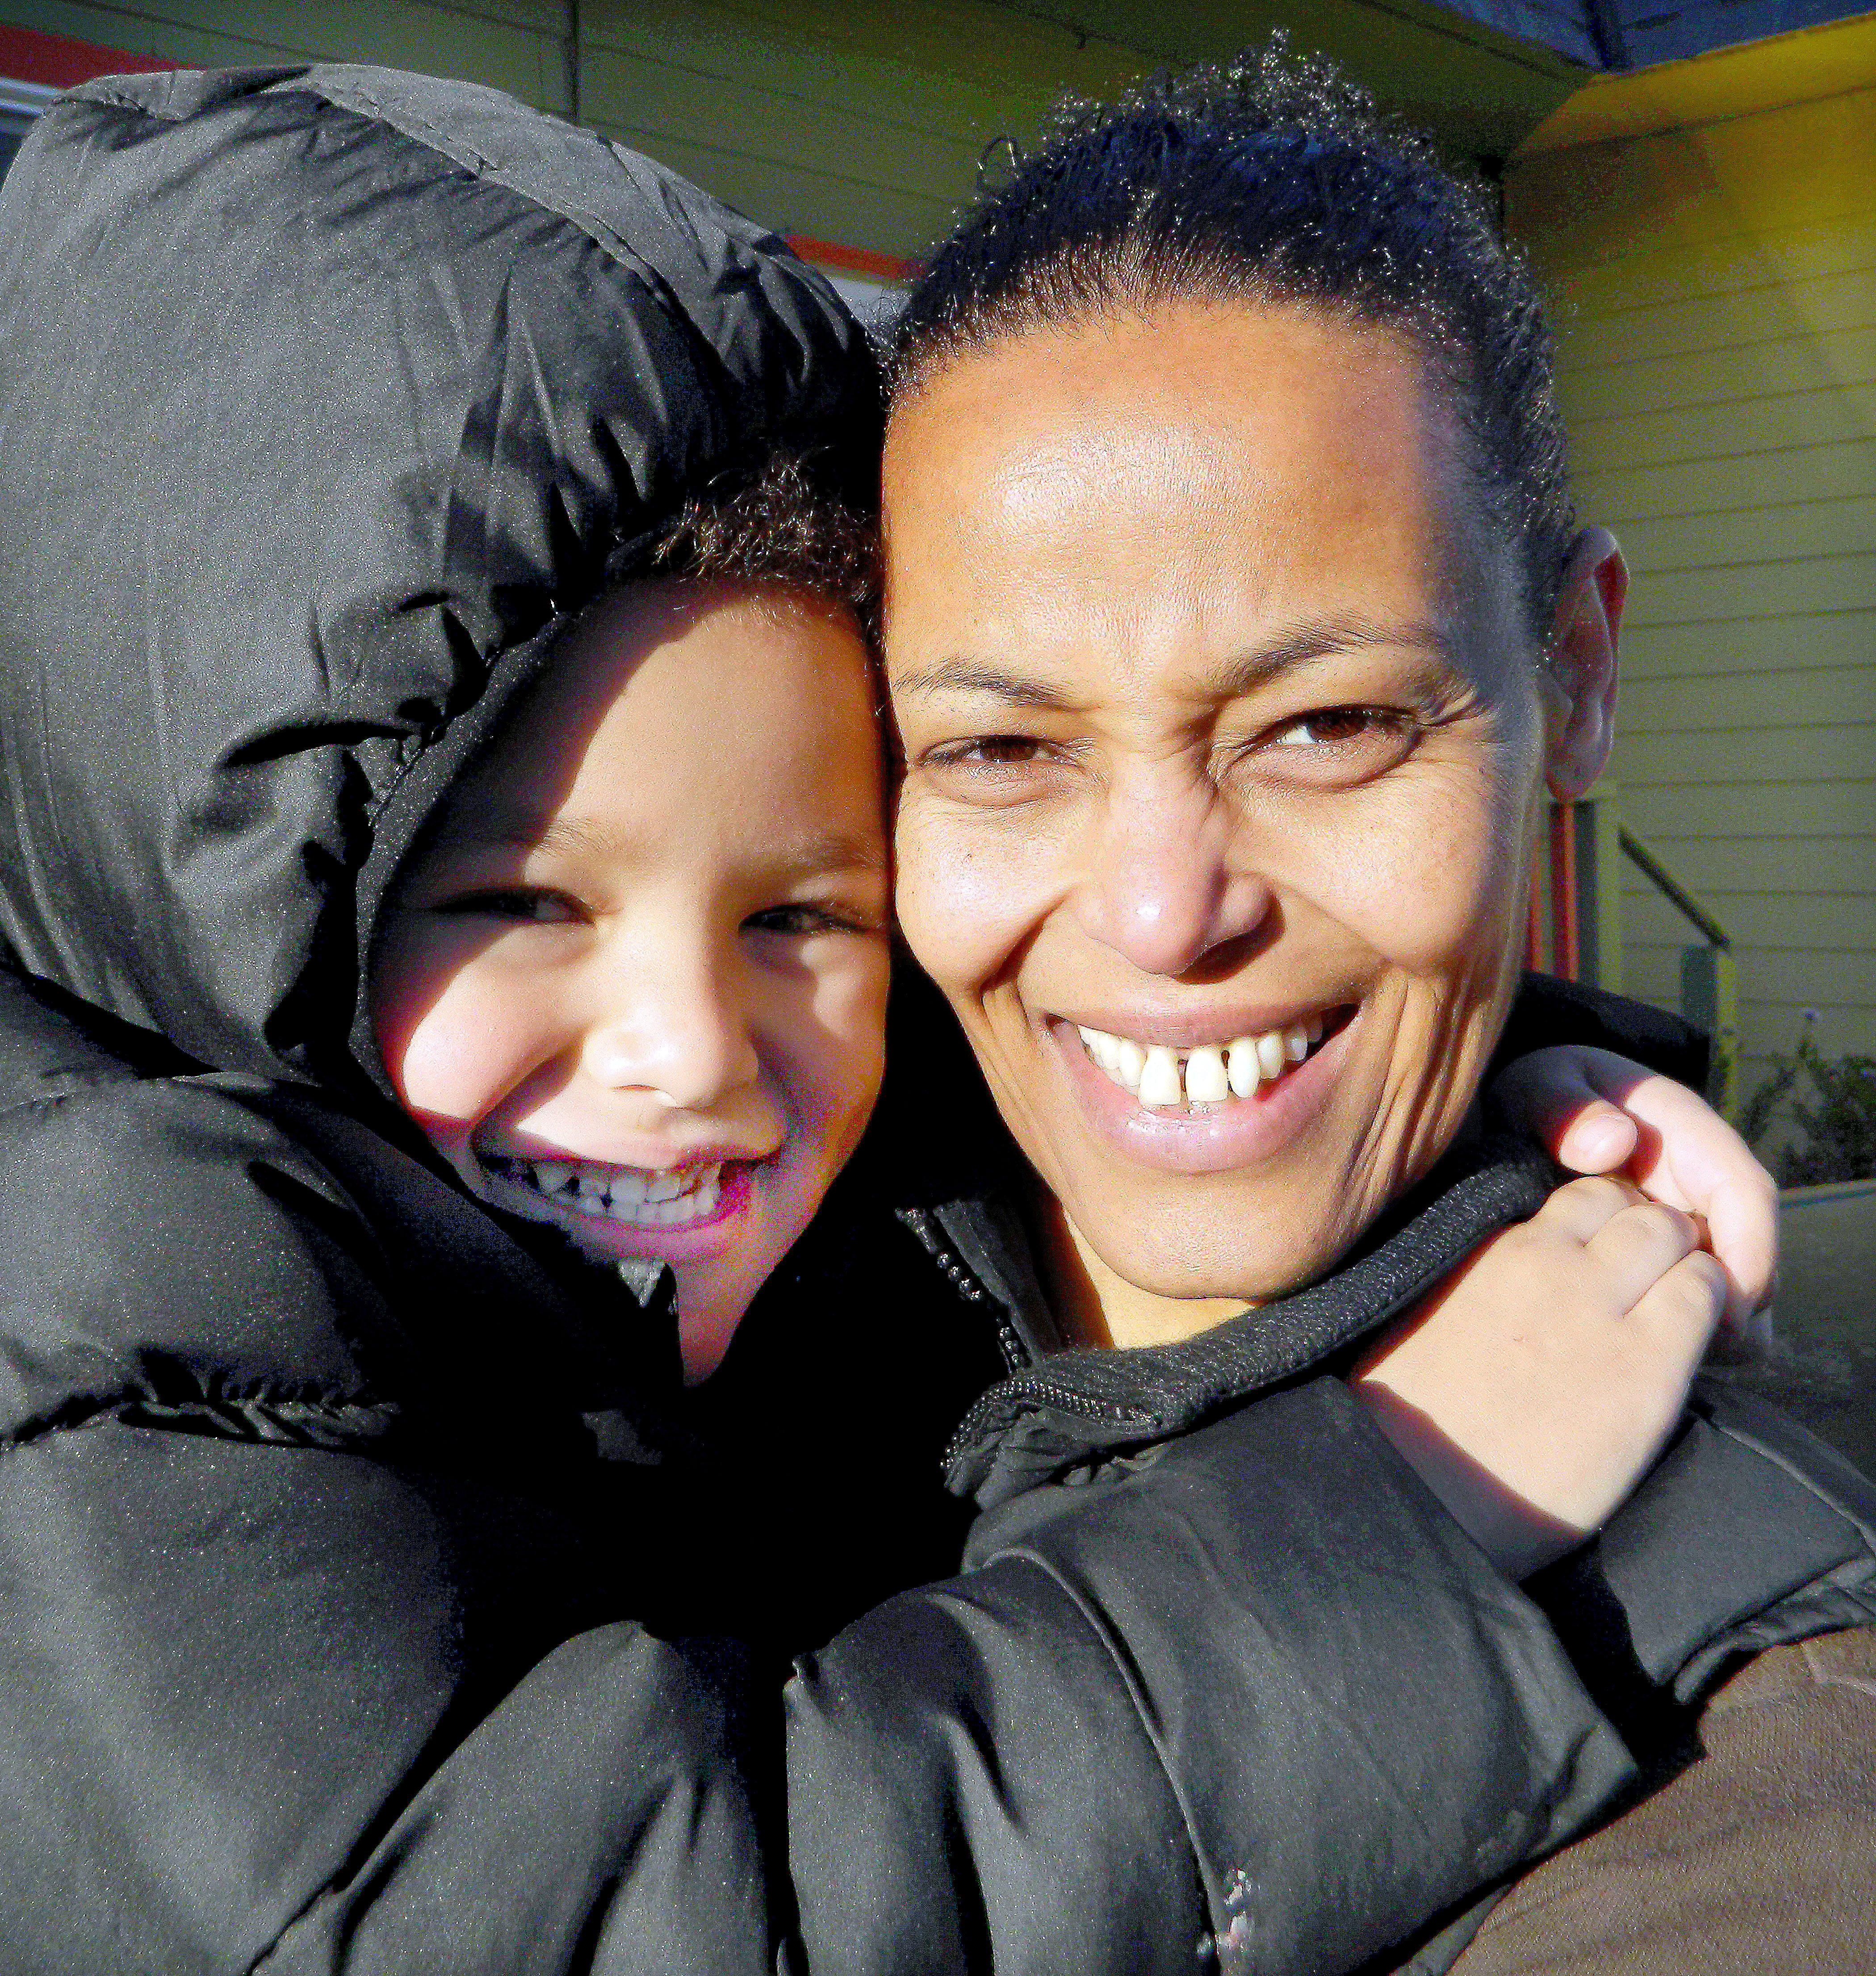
(1580,667)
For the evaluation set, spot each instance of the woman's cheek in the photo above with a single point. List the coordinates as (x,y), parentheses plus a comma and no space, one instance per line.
(969,890)
(1427,884)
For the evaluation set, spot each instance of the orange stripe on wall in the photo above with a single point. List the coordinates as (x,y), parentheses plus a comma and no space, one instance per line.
(56,61)
(854,260)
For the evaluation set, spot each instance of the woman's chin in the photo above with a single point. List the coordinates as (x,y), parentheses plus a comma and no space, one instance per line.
(1189,1257)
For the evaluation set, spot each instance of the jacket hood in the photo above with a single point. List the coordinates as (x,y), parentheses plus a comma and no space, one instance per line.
(326,395)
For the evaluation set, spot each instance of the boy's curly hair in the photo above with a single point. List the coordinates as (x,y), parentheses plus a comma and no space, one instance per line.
(1270,178)
(775,523)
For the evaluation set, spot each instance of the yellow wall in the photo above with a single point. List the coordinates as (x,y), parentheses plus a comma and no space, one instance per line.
(1708,229)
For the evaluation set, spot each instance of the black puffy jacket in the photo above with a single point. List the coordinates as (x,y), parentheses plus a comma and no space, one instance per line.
(368,1598)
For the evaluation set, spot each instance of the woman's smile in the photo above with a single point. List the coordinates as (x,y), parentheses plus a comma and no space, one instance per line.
(1196,1136)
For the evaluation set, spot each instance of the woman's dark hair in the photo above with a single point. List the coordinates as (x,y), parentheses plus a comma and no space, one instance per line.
(1272,179)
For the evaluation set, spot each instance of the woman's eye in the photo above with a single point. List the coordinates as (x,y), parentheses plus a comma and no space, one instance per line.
(995,750)
(533,904)
(1333,724)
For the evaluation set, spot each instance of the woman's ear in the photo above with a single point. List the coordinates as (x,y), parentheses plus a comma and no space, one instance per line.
(1580,664)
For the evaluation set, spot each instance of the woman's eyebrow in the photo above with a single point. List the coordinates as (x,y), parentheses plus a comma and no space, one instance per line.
(979,676)
(1314,639)
(1320,639)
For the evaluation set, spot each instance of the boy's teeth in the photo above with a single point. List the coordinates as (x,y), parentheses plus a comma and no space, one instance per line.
(663,1198)
(1166,1078)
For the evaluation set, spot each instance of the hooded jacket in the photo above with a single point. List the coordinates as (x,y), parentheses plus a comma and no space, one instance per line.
(368,1597)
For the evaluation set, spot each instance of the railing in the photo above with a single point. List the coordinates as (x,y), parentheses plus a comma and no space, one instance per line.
(1577,873)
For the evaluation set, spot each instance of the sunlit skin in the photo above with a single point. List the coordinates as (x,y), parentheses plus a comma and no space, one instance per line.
(649,931)
(1218,710)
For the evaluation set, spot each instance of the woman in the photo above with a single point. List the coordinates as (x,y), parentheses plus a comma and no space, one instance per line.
(1237,628)
(357,1594)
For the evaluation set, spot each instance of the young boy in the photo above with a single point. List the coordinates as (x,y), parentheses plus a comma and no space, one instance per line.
(325,1611)
(633,984)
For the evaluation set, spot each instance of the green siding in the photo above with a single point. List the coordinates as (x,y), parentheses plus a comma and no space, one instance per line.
(1719,378)
(843,120)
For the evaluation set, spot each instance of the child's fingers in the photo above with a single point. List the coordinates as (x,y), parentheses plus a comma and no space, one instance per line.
(1580,1209)
(1680,1310)
(1635,1249)
(1687,1156)
(1596,1137)
(1549,1094)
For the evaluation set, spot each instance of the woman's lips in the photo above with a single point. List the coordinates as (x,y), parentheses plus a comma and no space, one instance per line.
(1238,1132)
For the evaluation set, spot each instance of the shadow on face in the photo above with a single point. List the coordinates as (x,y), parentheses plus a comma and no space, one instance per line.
(1225,747)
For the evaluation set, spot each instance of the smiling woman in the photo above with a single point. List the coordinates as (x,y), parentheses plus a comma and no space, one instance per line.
(1227,718)
(1237,630)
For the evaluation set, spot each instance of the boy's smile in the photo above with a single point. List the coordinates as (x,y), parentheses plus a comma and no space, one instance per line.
(633,984)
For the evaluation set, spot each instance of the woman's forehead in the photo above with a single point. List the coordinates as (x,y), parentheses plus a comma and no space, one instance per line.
(1212,476)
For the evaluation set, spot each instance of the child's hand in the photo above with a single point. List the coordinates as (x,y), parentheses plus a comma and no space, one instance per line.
(1531,1390)
(1597,1113)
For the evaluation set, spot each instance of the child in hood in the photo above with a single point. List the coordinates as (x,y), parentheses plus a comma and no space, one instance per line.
(443,850)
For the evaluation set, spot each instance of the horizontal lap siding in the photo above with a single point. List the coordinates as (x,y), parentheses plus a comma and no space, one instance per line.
(510,45)
(846,120)
(836,118)
(1716,291)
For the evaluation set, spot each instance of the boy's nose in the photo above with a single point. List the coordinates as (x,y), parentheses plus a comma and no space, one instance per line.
(689,1046)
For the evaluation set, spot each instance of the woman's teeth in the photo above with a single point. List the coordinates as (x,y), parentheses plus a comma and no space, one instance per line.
(665,1199)
(1163,1079)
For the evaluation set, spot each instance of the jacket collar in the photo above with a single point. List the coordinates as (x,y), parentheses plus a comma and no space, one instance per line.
(1065,1407)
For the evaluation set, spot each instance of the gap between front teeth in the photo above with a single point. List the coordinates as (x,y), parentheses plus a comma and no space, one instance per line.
(1163,1079)
(641,1198)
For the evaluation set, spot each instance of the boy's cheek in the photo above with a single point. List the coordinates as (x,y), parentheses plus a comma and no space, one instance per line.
(453,1062)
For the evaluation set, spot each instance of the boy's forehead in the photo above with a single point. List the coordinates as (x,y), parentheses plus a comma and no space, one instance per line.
(501,824)
(741,730)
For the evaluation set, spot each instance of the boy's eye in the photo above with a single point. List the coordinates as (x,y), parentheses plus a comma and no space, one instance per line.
(799,920)
(539,905)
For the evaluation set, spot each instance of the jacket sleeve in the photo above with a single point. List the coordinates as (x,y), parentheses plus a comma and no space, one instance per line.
(302,1665)
(1748,1533)
(1258,1694)
(1547,1011)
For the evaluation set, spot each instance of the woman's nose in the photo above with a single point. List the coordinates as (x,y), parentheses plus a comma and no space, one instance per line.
(676,1032)
(1160,887)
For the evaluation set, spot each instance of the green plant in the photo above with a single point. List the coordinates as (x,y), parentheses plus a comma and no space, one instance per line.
(1835,1136)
